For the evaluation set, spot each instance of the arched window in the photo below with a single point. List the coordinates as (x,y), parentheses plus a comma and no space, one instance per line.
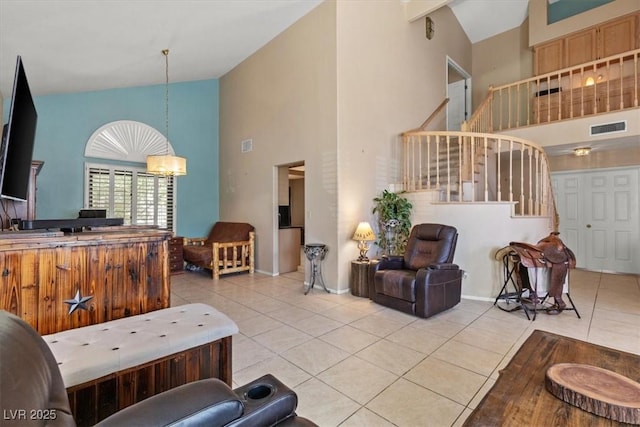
(125,190)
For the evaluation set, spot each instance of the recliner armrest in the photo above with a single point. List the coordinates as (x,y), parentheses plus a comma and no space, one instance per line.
(444,266)
(393,262)
(207,402)
(267,401)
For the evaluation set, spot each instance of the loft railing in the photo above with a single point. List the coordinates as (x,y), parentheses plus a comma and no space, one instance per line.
(480,167)
(601,86)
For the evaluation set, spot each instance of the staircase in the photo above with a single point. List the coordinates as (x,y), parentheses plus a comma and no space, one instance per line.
(479,166)
(446,163)
(496,188)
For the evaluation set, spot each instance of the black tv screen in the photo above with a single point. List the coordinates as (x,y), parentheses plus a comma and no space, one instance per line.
(18,139)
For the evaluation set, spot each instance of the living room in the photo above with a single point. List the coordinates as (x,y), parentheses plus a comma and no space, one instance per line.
(334,90)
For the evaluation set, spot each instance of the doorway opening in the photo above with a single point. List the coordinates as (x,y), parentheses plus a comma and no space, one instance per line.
(290,212)
(459,94)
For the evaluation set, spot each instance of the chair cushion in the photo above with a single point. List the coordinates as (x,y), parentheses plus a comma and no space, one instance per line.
(199,255)
(91,352)
(396,283)
(430,244)
(225,232)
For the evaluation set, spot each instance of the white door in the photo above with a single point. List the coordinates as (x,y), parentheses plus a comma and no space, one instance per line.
(567,191)
(600,218)
(456,108)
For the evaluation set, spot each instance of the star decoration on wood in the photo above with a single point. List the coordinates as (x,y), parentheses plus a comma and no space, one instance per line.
(78,302)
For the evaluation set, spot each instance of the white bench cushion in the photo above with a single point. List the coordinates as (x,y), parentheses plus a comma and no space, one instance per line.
(91,352)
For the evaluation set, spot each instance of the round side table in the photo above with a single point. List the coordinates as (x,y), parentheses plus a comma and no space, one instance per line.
(315,253)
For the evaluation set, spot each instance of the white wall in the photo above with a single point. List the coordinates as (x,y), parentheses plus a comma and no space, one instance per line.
(284,98)
(390,79)
(483,229)
(576,131)
(334,91)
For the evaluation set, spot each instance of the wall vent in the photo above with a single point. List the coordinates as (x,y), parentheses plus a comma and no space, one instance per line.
(608,128)
(246,145)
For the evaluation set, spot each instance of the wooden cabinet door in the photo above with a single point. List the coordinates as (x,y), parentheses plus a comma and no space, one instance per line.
(617,36)
(548,57)
(580,47)
(11,285)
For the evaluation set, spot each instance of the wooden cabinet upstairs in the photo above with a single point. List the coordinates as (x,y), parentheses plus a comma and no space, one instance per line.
(606,39)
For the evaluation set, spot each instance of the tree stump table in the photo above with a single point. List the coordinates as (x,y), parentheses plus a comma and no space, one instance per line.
(520,398)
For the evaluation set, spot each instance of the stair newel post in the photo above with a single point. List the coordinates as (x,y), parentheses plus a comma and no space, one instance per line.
(486,170)
(530,156)
(522,148)
(460,165)
(499,169)
(511,170)
(405,161)
(418,147)
(428,175)
(448,171)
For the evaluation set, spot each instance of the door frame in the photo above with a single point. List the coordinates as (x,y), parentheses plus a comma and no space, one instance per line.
(582,221)
(450,63)
(276,203)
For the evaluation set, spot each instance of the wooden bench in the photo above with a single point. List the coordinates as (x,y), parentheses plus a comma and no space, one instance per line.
(109,366)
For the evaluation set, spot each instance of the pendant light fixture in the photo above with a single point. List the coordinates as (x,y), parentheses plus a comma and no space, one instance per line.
(166,164)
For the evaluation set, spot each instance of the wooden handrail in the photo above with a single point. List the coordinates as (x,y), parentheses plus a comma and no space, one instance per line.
(457,163)
(471,167)
(600,86)
(431,116)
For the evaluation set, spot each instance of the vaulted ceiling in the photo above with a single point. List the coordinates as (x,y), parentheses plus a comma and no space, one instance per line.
(75,46)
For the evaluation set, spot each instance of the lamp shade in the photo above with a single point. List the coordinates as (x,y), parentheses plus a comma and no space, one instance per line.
(167,165)
(364,232)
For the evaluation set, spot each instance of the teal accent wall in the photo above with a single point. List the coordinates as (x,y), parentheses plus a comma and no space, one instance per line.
(562,9)
(66,121)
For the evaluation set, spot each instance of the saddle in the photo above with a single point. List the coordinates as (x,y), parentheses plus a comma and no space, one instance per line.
(551,253)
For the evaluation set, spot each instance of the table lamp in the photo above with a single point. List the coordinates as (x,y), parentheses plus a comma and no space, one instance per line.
(364,234)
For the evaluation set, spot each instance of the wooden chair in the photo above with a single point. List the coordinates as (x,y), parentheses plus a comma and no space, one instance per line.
(229,248)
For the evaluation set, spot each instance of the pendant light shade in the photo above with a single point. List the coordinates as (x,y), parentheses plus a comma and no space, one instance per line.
(166,164)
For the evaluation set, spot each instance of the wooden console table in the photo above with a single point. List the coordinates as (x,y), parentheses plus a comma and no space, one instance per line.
(519,397)
(126,272)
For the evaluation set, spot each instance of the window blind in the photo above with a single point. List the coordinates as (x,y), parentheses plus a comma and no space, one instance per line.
(130,193)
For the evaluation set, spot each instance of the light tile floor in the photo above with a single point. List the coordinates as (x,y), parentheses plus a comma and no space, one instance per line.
(356,363)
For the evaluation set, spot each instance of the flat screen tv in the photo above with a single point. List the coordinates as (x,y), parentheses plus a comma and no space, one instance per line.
(18,138)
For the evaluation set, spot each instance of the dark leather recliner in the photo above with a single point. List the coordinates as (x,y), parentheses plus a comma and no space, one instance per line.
(424,281)
(32,393)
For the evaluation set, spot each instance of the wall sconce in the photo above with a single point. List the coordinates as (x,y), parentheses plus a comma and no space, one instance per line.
(364,234)
(429,28)
(582,151)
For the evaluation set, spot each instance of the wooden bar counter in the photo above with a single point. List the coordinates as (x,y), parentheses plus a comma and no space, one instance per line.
(124,269)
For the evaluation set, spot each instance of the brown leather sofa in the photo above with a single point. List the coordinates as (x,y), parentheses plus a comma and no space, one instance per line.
(32,393)
(424,281)
(229,248)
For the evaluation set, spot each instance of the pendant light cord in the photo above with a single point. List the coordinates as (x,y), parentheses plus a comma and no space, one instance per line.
(165,52)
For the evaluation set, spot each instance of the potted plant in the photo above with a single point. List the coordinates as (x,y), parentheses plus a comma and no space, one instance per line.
(394,222)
